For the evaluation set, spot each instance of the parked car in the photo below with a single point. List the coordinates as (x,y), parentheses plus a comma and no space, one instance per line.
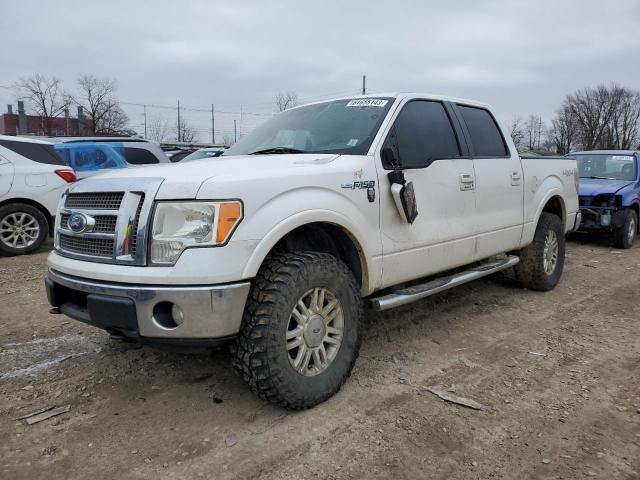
(32,179)
(275,244)
(610,193)
(94,157)
(204,153)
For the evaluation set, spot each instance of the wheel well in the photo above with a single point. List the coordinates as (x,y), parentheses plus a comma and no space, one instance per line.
(325,238)
(555,205)
(33,203)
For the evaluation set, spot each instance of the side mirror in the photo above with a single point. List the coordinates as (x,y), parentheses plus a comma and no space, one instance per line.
(403,196)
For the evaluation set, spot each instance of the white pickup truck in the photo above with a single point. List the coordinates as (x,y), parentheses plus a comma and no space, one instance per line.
(275,244)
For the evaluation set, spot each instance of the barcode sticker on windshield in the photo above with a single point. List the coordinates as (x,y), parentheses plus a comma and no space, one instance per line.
(368,102)
(621,157)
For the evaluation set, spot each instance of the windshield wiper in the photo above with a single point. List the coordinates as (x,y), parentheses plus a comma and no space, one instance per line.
(595,177)
(277,150)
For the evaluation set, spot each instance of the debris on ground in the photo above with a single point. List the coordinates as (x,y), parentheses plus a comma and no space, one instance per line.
(448,396)
(44,413)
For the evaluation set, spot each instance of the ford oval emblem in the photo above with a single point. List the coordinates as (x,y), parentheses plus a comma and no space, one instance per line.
(77,222)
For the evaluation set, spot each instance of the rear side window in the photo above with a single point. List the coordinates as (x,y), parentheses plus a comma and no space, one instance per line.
(37,152)
(424,133)
(139,156)
(485,134)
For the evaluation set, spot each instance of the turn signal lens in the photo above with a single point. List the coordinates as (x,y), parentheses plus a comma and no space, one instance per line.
(229,214)
(67,175)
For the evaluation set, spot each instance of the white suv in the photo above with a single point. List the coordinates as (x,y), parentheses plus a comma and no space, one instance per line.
(32,180)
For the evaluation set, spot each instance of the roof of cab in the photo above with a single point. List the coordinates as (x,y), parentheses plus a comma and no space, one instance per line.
(403,95)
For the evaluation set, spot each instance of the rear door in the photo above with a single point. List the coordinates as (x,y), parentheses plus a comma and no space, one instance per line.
(499,183)
(431,154)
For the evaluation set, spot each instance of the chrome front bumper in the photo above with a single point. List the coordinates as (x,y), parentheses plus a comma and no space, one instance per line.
(209,312)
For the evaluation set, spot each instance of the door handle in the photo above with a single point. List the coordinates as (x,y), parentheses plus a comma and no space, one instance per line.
(466,182)
(515,178)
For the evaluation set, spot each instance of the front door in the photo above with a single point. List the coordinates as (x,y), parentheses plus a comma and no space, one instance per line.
(430,155)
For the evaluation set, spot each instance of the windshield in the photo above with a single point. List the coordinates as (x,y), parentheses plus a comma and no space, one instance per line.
(202,154)
(613,167)
(339,126)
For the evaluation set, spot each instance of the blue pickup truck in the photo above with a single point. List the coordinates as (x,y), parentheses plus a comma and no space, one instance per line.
(609,193)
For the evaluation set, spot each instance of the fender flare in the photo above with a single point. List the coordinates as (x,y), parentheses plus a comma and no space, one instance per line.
(305,217)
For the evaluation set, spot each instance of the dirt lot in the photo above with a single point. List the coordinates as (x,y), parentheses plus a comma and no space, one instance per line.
(570,409)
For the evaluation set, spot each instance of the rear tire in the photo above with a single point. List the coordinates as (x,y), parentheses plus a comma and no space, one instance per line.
(23,228)
(300,332)
(624,236)
(542,262)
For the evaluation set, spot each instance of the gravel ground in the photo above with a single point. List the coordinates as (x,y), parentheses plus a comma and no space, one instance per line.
(557,375)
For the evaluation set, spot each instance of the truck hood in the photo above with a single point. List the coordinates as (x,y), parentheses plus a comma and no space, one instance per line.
(590,187)
(183,180)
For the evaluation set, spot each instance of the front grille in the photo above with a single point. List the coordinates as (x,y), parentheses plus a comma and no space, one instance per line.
(104,223)
(99,247)
(95,200)
(116,208)
(134,236)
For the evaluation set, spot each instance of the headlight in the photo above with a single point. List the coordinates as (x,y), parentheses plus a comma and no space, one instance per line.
(177,226)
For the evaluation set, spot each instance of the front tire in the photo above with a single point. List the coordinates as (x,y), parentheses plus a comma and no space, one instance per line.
(23,228)
(542,262)
(300,332)
(624,236)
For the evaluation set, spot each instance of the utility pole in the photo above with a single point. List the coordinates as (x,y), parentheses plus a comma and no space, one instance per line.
(364,84)
(179,121)
(213,125)
(145,121)
(235,135)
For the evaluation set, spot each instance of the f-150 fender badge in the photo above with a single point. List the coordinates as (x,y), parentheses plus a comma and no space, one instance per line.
(364,184)
(368,185)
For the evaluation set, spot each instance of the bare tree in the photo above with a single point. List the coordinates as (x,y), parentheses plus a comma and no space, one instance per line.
(158,129)
(593,110)
(113,121)
(564,131)
(516,132)
(97,97)
(533,132)
(46,96)
(623,131)
(607,117)
(188,134)
(286,100)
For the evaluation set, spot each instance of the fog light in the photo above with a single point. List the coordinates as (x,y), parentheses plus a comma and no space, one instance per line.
(605,219)
(177,314)
(167,315)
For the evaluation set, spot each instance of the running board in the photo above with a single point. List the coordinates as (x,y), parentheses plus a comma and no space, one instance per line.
(417,292)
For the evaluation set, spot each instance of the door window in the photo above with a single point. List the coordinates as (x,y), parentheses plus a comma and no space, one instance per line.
(485,134)
(421,134)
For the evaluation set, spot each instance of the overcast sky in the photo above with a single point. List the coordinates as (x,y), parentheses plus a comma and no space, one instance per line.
(520,56)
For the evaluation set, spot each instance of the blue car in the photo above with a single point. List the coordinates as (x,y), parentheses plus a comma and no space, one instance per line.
(609,193)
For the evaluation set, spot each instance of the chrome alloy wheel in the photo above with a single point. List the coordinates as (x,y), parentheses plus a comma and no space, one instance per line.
(315,331)
(550,253)
(19,230)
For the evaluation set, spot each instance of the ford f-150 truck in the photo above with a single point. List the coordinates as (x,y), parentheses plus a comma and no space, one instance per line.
(275,244)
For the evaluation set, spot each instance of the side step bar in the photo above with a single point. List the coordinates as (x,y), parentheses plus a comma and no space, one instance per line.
(418,292)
